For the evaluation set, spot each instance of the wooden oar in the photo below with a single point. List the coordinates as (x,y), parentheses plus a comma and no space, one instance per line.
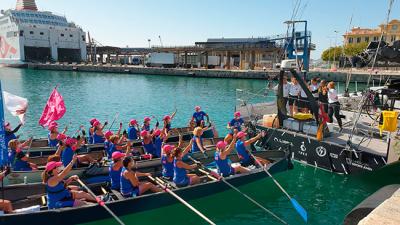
(166,189)
(295,203)
(214,176)
(112,123)
(101,203)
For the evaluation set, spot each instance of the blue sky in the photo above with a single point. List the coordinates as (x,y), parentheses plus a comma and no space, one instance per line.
(182,22)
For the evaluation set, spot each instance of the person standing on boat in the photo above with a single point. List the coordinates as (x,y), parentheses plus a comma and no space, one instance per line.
(334,105)
(22,163)
(245,158)
(222,160)
(15,146)
(10,133)
(5,205)
(181,177)
(323,95)
(198,117)
(234,125)
(197,141)
(133,130)
(53,132)
(314,86)
(148,144)
(58,196)
(304,104)
(98,135)
(91,130)
(130,185)
(115,170)
(294,94)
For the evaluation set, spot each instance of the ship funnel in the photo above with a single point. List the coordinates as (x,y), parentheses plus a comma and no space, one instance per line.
(26,5)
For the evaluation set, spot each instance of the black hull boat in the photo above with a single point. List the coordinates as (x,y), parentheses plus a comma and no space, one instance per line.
(359,147)
(31,194)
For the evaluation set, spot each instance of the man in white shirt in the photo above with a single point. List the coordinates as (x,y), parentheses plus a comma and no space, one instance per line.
(293,95)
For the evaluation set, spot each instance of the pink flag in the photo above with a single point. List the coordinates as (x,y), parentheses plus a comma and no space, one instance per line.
(54,109)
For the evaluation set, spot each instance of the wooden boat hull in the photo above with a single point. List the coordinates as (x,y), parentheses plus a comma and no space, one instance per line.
(142,203)
(20,177)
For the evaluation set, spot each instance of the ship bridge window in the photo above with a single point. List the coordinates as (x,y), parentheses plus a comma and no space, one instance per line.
(41,33)
(31,32)
(62,35)
(71,35)
(21,33)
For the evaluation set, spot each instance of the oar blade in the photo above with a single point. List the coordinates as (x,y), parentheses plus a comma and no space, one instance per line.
(299,209)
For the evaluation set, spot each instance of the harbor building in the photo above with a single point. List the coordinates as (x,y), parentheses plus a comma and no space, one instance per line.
(359,35)
(30,35)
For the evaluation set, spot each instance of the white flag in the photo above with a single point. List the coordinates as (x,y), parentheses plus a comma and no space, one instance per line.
(16,105)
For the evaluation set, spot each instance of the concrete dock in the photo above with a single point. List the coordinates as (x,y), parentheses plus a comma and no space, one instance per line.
(387,213)
(338,76)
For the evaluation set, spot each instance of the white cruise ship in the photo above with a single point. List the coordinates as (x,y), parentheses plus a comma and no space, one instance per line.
(29,35)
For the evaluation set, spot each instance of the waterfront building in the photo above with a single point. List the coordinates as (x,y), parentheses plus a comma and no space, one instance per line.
(30,35)
(359,35)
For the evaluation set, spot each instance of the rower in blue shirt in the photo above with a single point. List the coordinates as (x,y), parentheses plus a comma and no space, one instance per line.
(234,125)
(245,158)
(198,117)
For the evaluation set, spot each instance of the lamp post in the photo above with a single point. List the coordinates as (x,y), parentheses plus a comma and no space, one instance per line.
(149,40)
(334,51)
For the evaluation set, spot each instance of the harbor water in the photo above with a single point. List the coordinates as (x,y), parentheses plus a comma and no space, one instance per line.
(327,197)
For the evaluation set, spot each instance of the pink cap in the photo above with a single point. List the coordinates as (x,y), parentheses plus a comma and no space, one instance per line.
(133,122)
(93,120)
(197,108)
(237,114)
(221,144)
(61,137)
(53,125)
(108,134)
(167,117)
(70,141)
(147,119)
(241,134)
(144,133)
(168,149)
(52,165)
(96,123)
(157,132)
(117,155)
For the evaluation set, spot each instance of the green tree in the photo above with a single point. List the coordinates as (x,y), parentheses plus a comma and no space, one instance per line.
(334,53)
(355,49)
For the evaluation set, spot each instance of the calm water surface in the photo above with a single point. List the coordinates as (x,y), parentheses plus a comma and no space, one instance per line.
(327,197)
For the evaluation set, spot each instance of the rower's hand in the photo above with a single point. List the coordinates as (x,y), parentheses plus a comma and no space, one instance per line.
(157,124)
(74,177)
(83,132)
(75,158)
(147,174)
(263,133)
(106,123)
(120,125)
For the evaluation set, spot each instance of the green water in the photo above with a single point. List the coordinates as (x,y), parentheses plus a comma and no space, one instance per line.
(327,197)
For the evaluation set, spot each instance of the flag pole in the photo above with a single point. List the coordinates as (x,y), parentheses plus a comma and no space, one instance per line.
(3,148)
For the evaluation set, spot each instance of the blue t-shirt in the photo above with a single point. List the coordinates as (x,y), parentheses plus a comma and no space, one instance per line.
(242,151)
(132,133)
(236,123)
(199,116)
